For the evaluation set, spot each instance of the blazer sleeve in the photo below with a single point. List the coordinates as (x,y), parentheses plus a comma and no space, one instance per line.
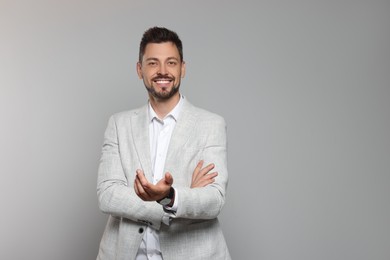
(207,202)
(116,195)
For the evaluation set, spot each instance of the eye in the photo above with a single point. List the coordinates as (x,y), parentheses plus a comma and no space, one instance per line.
(172,63)
(152,63)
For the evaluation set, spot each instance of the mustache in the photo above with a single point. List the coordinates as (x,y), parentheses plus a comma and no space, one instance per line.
(161,77)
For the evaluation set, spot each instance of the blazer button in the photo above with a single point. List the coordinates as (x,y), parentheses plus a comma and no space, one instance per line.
(140,230)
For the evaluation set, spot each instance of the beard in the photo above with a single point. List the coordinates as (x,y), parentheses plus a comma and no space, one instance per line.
(163,95)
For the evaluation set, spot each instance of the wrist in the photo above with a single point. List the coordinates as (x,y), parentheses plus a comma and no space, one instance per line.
(168,199)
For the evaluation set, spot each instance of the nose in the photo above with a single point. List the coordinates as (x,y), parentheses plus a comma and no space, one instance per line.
(162,69)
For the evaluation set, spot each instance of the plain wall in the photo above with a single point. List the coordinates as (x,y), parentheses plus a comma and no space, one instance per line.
(303,85)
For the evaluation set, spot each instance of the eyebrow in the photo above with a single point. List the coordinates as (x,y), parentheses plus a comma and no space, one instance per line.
(151,59)
(172,58)
(155,59)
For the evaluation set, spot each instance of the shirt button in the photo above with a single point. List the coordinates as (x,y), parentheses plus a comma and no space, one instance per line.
(140,230)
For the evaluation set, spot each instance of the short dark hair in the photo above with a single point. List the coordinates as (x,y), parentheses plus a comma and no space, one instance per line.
(159,35)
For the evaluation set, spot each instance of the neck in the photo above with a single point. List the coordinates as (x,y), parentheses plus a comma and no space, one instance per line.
(163,107)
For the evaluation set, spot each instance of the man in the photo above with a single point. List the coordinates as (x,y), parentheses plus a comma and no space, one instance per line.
(163,173)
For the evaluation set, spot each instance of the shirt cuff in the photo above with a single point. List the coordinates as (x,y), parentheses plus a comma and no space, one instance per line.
(170,212)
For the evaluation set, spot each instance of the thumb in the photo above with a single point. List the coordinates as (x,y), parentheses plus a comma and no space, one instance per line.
(168,178)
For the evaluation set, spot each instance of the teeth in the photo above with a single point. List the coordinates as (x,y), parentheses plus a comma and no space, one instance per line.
(162,81)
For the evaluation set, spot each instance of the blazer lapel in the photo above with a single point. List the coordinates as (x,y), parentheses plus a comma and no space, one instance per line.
(140,132)
(182,132)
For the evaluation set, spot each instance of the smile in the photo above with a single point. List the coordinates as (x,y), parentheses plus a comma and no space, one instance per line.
(163,81)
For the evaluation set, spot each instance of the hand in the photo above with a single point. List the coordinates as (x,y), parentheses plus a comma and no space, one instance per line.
(150,192)
(202,177)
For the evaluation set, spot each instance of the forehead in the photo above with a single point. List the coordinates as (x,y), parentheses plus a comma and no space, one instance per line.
(161,50)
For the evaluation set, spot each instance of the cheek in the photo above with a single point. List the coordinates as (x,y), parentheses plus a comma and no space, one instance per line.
(148,75)
(178,74)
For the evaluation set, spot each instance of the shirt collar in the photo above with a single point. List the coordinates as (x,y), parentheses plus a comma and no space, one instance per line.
(175,112)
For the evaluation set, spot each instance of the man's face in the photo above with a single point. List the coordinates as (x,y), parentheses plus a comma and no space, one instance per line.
(161,70)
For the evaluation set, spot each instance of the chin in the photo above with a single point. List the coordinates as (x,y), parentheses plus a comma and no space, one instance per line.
(165,95)
(162,93)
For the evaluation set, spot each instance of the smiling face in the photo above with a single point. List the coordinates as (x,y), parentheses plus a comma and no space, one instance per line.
(161,69)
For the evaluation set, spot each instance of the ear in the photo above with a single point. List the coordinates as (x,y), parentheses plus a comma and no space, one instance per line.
(139,70)
(183,69)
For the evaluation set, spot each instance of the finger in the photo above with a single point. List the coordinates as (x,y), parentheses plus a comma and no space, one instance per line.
(135,188)
(142,193)
(138,192)
(212,175)
(202,183)
(138,187)
(206,182)
(141,177)
(207,169)
(206,179)
(168,178)
(209,176)
(197,170)
(200,164)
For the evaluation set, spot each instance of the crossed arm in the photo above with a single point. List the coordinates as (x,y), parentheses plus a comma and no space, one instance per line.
(201,177)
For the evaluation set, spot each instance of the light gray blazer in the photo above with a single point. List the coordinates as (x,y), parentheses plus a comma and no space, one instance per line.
(195,232)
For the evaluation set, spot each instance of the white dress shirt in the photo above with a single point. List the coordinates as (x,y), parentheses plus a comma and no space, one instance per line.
(160,132)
